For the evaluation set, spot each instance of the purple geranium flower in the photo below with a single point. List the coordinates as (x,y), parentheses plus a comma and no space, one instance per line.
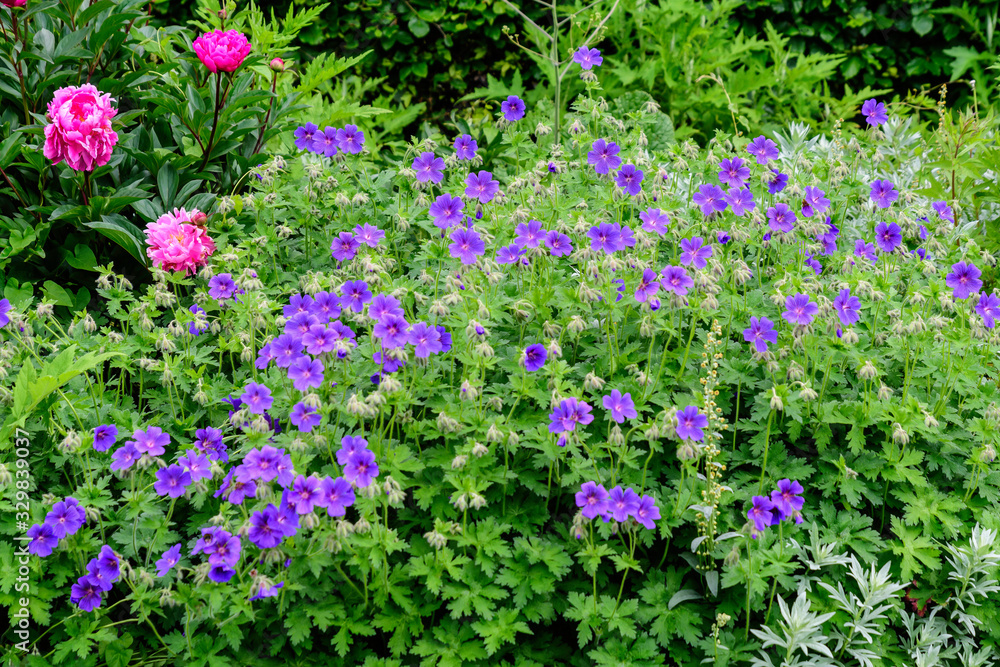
(152,441)
(690,423)
(741,200)
(622,503)
(534,357)
(370,235)
(481,186)
(350,139)
(786,498)
(988,308)
(391,330)
(4,309)
(193,327)
(304,136)
(874,113)
(354,295)
(780,218)
(305,493)
(429,167)
(325,143)
(587,57)
(649,285)
(711,199)
(305,417)
(86,593)
(559,244)
(465,147)
(361,468)
(105,436)
(222,287)
(654,220)
(466,245)
(800,310)
(171,481)
(778,183)
(694,251)
(604,156)
(761,513)
(629,179)
(512,108)
(337,495)
(125,456)
(620,407)
(733,172)
(763,149)
(570,412)
(605,237)
(847,307)
(888,237)
(257,398)
(529,234)
(510,254)
(883,193)
(446,211)
(41,540)
(592,499)
(196,464)
(425,339)
(944,212)
(349,445)
(676,279)
(344,247)
(759,333)
(647,512)
(264,531)
(166,562)
(963,279)
(865,250)
(306,373)
(814,201)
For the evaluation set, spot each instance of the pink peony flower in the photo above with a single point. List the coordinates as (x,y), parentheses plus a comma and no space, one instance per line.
(13,3)
(222,51)
(177,245)
(80,128)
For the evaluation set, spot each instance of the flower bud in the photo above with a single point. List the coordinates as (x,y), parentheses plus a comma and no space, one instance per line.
(776,403)
(277,65)
(592,383)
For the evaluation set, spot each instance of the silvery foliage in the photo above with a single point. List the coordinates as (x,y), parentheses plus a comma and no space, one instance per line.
(945,637)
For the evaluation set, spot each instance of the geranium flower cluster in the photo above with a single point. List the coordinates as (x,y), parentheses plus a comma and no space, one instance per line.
(785,502)
(618,504)
(102,572)
(64,519)
(327,142)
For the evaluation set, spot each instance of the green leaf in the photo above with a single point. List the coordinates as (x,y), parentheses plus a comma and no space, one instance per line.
(922,24)
(166,183)
(418,27)
(82,258)
(124,233)
(54,292)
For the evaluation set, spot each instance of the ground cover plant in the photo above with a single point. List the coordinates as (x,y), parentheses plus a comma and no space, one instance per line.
(593,401)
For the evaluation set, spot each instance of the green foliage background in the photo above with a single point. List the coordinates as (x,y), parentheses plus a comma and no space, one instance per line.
(435,52)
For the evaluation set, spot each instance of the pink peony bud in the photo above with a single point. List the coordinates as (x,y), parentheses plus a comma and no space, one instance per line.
(80,128)
(175,244)
(278,65)
(222,51)
(13,3)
